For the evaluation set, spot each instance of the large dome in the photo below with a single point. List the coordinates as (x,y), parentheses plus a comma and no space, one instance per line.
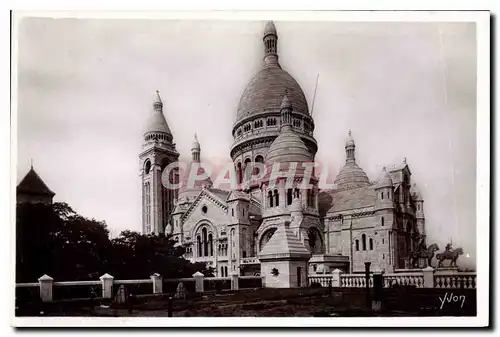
(351,176)
(264,92)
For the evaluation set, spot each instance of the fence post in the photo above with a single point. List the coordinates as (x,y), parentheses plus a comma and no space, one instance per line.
(157,283)
(234,280)
(428,273)
(46,288)
(336,278)
(198,282)
(107,285)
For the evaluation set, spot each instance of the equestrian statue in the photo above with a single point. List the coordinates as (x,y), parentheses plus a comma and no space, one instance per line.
(423,252)
(449,254)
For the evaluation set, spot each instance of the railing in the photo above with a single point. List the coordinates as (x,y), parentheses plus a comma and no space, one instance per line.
(403,279)
(458,280)
(426,278)
(107,286)
(249,260)
(324,281)
(355,281)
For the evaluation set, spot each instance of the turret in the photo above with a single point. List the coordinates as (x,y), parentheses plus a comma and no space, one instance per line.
(419,208)
(384,189)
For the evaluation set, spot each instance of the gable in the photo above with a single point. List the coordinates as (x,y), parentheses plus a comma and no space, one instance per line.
(208,197)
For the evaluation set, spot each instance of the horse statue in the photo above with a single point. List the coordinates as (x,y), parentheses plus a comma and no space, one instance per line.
(423,252)
(449,254)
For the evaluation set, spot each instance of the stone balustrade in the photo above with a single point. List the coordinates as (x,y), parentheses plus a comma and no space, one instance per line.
(425,278)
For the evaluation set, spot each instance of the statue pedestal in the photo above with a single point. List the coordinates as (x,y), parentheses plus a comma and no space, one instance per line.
(446,270)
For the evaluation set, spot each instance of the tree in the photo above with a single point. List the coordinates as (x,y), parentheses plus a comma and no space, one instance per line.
(55,240)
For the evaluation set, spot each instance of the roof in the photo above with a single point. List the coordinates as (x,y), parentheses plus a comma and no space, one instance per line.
(284,244)
(237,195)
(264,92)
(270,28)
(343,200)
(351,176)
(33,184)
(385,180)
(288,148)
(221,194)
(156,121)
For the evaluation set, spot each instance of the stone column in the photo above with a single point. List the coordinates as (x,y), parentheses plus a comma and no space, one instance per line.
(107,285)
(46,288)
(428,277)
(198,282)
(234,280)
(157,283)
(336,278)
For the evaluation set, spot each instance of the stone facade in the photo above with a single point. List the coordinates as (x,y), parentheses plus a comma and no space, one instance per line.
(357,221)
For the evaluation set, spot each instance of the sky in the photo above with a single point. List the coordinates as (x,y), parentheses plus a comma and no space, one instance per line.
(86,87)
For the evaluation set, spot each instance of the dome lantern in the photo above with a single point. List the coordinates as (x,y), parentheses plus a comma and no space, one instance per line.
(270,44)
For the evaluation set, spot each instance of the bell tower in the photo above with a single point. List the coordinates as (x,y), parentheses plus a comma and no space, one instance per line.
(158,151)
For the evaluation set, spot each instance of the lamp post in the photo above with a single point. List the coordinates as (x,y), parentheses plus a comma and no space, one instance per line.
(367,282)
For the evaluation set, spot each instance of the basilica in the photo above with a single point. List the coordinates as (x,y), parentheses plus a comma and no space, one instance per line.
(275,230)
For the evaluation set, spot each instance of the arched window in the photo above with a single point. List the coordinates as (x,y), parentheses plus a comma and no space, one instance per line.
(363,241)
(232,211)
(225,268)
(289,196)
(240,173)
(256,169)
(276,198)
(357,245)
(205,241)
(297,193)
(248,169)
(382,195)
(147,166)
(270,197)
(211,245)
(198,241)
(222,271)
(371,244)
(382,221)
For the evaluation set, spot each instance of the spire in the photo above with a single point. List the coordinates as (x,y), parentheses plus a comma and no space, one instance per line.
(156,121)
(349,148)
(286,112)
(196,149)
(158,104)
(270,44)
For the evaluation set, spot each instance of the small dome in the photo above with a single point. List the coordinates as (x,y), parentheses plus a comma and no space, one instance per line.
(351,176)
(169,229)
(296,206)
(349,141)
(288,148)
(270,28)
(386,180)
